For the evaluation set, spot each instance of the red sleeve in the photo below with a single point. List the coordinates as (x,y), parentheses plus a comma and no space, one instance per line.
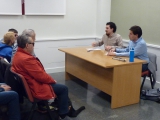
(35,70)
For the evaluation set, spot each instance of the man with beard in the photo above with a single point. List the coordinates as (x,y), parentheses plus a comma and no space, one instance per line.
(110,39)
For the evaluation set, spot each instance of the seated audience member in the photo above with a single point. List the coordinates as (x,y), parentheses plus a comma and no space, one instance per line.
(10,98)
(6,45)
(136,42)
(28,32)
(31,33)
(15,44)
(110,39)
(14,31)
(42,85)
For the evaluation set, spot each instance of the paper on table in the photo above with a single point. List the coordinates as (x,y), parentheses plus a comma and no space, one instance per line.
(107,53)
(92,49)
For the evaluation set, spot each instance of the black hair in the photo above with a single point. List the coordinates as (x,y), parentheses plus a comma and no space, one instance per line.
(112,25)
(13,30)
(136,30)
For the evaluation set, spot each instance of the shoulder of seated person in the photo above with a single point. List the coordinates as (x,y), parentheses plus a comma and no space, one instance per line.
(118,35)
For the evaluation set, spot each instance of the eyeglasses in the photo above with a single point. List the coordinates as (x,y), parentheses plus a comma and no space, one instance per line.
(31,43)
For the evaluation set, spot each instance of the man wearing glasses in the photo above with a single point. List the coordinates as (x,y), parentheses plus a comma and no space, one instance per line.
(42,85)
(28,32)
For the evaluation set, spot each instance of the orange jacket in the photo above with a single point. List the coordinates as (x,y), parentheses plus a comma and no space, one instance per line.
(32,70)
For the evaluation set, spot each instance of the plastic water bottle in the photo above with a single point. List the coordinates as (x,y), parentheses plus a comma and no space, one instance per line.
(131,55)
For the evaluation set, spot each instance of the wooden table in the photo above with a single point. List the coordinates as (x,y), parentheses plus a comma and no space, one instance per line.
(121,80)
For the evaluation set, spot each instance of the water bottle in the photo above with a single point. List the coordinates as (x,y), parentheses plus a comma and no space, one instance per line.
(131,55)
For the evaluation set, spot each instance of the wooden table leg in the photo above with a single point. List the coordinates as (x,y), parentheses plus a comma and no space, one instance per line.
(126,85)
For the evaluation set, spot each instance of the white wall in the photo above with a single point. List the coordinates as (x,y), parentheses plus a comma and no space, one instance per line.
(53,59)
(103,16)
(79,21)
(81,30)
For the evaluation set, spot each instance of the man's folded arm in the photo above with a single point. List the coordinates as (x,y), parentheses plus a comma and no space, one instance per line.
(37,72)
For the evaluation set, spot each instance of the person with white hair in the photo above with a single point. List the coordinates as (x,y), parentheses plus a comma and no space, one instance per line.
(29,32)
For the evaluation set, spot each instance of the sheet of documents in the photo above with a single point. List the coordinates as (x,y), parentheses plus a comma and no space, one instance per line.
(107,53)
(92,49)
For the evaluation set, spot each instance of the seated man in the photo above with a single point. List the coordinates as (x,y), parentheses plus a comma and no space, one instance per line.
(42,85)
(28,32)
(110,39)
(6,45)
(10,98)
(136,42)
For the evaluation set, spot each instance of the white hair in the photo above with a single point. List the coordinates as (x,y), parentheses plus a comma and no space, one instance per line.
(29,32)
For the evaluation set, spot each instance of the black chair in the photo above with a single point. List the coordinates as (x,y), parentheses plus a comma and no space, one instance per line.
(15,84)
(30,97)
(3,66)
(151,72)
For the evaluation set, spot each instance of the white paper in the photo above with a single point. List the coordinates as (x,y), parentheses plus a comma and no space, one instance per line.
(107,53)
(92,49)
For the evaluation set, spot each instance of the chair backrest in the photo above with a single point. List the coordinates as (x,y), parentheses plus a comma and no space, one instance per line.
(25,85)
(152,66)
(3,66)
(153,60)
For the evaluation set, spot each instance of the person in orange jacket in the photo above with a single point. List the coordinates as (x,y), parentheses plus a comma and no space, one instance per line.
(42,85)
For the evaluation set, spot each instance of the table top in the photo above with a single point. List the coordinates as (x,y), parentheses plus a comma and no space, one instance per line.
(98,57)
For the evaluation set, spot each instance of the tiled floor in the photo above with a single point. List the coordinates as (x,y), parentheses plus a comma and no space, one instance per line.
(98,105)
